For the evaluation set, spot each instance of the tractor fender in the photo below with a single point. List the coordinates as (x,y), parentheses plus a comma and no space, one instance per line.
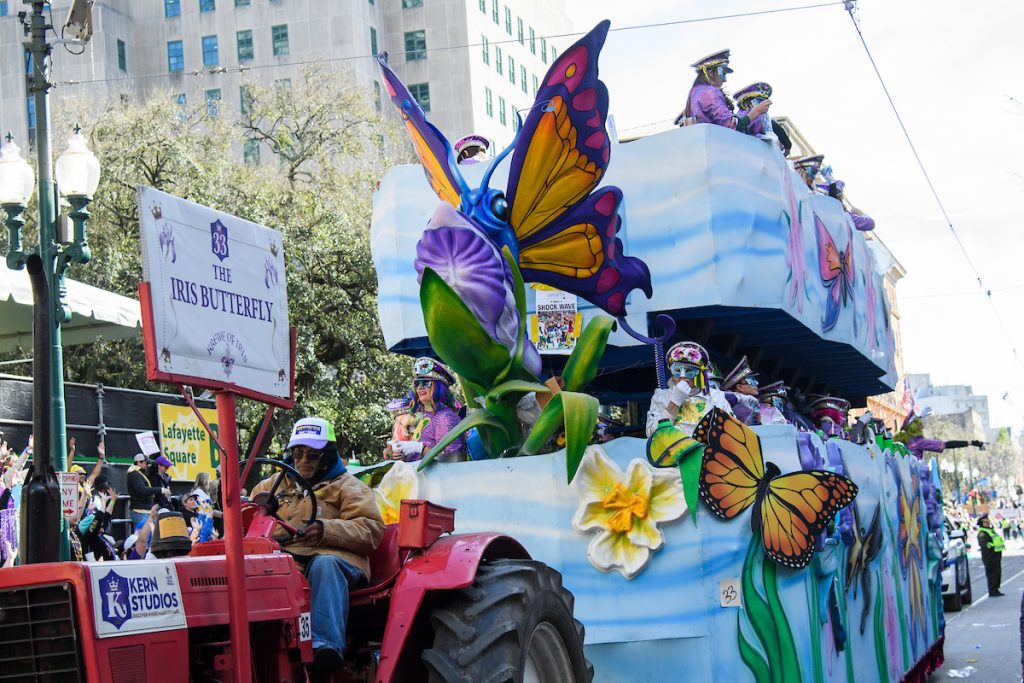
(449,563)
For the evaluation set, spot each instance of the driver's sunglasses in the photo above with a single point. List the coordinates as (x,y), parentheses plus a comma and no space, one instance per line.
(301,452)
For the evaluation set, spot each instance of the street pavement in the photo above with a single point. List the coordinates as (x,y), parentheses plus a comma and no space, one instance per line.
(986,634)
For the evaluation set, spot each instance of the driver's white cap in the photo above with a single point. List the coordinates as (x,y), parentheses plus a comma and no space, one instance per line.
(314,432)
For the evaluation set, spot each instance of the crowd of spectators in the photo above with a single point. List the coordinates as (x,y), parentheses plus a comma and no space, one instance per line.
(159,523)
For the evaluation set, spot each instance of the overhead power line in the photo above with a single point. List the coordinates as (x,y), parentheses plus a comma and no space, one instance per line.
(241,68)
(850,6)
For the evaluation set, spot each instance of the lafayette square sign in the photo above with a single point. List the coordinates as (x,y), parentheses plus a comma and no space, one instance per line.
(214,300)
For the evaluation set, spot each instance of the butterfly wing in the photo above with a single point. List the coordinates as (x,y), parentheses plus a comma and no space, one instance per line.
(432,148)
(732,466)
(581,253)
(568,236)
(830,268)
(796,508)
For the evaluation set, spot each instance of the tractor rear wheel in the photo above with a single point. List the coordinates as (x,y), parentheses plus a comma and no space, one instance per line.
(513,625)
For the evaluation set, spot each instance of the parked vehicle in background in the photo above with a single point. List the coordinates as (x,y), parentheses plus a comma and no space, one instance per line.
(956,575)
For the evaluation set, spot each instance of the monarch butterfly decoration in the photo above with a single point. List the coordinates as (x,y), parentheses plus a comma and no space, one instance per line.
(561,229)
(788,510)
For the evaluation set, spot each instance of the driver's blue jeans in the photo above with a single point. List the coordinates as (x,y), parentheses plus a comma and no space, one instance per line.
(330,579)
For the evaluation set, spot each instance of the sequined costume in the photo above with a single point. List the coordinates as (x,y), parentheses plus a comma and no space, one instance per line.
(432,428)
(756,126)
(708,105)
(747,409)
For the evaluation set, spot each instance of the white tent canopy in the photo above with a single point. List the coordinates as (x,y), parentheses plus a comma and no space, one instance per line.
(94,313)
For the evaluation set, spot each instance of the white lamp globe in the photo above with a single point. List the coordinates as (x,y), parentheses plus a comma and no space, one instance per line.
(77,170)
(17,179)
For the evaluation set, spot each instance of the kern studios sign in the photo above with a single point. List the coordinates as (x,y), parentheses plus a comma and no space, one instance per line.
(135,596)
(215,286)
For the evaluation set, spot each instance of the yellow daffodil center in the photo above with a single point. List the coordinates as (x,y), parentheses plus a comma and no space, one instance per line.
(627,505)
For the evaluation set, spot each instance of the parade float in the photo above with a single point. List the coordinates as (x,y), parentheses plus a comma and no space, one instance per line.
(763,553)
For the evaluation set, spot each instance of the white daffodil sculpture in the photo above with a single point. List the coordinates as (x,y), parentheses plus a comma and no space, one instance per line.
(401,482)
(626,508)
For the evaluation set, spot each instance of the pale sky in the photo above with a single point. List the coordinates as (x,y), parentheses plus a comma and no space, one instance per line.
(956,73)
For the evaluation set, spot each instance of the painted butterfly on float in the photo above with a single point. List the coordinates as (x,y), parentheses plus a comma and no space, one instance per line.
(836,269)
(865,548)
(789,510)
(911,553)
(561,231)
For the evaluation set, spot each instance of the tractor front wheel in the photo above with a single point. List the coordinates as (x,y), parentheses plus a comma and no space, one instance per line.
(513,625)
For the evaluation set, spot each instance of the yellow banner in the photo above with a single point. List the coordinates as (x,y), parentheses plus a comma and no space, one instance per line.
(186,443)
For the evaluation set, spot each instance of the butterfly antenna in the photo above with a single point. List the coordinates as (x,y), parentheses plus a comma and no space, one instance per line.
(486,182)
(667,323)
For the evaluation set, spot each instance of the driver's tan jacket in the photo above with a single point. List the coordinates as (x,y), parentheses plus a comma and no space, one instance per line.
(352,524)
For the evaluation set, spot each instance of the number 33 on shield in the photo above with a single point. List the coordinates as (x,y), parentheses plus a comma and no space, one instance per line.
(729,593)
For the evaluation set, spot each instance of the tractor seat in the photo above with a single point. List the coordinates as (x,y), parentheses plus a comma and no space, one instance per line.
(385,562)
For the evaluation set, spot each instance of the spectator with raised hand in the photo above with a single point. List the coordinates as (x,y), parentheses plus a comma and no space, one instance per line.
(142,490)
(94,526)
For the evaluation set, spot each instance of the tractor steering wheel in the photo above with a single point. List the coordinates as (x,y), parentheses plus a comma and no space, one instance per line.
(269,501)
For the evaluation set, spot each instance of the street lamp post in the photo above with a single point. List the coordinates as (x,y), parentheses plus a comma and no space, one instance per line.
(77,175)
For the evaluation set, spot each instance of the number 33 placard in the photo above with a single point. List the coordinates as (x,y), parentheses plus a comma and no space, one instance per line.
(729,593)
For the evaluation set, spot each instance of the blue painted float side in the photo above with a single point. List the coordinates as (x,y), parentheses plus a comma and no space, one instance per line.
(723,223)
(667,623)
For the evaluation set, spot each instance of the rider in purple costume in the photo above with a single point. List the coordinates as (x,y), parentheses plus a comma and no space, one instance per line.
(740,387)
(435,409)
(830,414)
(910,435)
(707,103)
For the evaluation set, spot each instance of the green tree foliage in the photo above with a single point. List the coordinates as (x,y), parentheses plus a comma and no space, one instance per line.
(323,152)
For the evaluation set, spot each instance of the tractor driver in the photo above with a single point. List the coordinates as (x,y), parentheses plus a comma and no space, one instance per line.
(334,549)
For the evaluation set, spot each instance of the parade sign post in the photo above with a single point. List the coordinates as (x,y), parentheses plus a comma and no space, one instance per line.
(215,315)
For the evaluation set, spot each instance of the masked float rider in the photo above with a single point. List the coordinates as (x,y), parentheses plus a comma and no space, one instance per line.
(830,415)
(740,387)
(688,397)
(911,435)
(334,549)
(434,406)
(773,401)
(471,149)
(707,103)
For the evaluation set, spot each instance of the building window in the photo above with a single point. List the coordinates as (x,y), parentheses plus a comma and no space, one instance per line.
(211,56)
(213,102)
(544,50)
(494,10)
(279,37)
(122,57)
(245,98)
(502,118)
(251,152)
(244,39)
(519,29)
(180,99)
(376,94)
(515,120)
(373,42)
(483,6)
(28,62)
(243,3)
(554,53)
(499,64)
(511,70)
(488,102)
(409,4)
(485,45)
(31,111)
(207,5)
(522,79)
(535,85)
(421,93)
(3,8)
(533,41)
(508,20)
(283,84)
(172,8)
(415,46)
(175,57)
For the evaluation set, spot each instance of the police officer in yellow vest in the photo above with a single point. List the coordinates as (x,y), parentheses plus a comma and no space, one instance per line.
(992,546)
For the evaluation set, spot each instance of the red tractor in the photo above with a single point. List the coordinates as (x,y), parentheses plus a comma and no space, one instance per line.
(438,607)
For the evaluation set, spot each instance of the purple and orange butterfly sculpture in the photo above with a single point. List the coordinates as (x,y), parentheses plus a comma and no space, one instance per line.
(836,269)
(559,228)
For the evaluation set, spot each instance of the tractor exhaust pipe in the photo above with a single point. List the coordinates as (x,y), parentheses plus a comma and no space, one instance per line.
(40,498)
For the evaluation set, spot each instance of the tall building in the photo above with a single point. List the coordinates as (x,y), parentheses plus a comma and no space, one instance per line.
(470,63)
(949,399)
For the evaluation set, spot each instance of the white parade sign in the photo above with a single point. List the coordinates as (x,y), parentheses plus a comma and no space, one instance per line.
(218,297)
(135,597)
(68,495)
